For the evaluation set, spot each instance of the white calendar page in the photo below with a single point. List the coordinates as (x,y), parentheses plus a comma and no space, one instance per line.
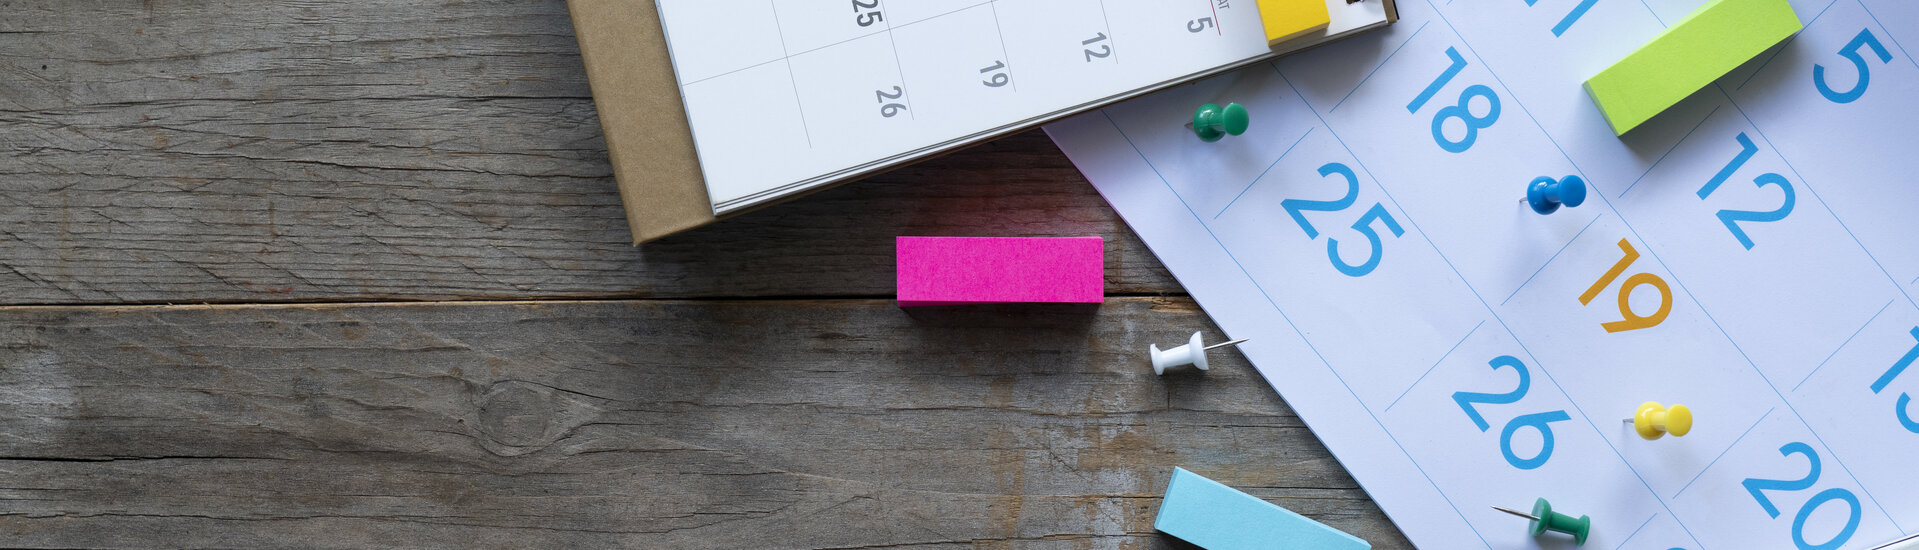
(783,95)
(1750,254)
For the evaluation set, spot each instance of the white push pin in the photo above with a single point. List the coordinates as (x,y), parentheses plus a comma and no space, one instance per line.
(1190,354)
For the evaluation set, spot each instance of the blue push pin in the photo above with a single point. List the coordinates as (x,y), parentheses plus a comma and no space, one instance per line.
(1545,194)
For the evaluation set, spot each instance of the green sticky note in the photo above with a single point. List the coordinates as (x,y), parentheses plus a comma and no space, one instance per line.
(1713,40)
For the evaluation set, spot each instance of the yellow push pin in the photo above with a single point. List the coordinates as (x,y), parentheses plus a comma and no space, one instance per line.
(1653,420)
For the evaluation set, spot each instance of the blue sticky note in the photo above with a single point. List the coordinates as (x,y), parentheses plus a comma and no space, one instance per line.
(1216,517)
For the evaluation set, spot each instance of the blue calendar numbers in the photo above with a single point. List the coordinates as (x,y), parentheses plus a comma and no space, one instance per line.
(1542,422)
(1365,226)
(1461,110)
(1758,486)
(1465,399)
(1571,17)
(1865,39)
(1731,218)
(1901,409)
(1378,213)
(1538,421)
(1294,207)
(1464,113)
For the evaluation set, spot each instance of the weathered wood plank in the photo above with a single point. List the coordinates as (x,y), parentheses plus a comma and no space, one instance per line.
(231,151)
(646,424)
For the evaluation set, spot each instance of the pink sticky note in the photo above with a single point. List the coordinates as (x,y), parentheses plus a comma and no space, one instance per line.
(935,271)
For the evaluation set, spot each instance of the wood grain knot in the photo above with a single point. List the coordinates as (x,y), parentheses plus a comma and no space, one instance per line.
(519,417)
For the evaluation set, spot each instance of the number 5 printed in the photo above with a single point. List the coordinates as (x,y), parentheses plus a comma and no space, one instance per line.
(1851,52)
(1364,226)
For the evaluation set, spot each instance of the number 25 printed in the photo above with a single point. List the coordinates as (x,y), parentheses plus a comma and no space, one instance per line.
(1364,226)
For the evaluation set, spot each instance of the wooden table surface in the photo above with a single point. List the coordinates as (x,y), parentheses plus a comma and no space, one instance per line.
(355,274)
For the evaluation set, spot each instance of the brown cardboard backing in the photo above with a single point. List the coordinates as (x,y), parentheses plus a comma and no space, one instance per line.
(648,138)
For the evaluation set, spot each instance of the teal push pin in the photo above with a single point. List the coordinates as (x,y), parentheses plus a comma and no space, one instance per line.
(1213,122)
(1545,519)
(1546,194)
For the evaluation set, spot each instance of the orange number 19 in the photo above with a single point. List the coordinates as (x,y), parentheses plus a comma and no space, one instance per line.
(1631,320)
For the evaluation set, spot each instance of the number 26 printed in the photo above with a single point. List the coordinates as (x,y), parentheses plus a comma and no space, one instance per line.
(1541,421)
(1296,208)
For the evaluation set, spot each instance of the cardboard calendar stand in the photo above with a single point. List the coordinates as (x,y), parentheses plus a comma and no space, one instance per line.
(648,138)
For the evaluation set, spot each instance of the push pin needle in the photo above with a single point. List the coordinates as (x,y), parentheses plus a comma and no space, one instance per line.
(1224,344)
(1517,513)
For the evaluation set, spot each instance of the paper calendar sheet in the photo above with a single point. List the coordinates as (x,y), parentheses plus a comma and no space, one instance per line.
(785,94)
(1458,351)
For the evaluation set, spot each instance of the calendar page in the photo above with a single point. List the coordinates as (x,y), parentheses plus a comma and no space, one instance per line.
(1748,254)
(783,95)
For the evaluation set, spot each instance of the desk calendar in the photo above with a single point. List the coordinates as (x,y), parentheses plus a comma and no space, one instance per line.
(784,95)
(1748,253)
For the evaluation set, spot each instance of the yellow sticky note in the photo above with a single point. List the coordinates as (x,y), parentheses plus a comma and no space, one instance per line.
(1289,19)
(1713,40)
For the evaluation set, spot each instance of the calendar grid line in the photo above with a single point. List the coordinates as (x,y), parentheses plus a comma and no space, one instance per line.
(1786,332)
(1722,453)
(1218,28)
(1108,21)
(1655,14)
(791,78)
(1862,247)
(905,91)
(1676,279)
(1842,345)
(1781,48)
(999,31)
(1669,150)
(1429,370)
(791,54)
(1635,532)
(1482,300)
(1889,35)
(1810,188)
(1296,330)
(1549,260)
(1262,174)
(1382,63)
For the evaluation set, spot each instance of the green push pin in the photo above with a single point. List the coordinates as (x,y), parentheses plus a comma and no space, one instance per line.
(1545,519)
(1213,122)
